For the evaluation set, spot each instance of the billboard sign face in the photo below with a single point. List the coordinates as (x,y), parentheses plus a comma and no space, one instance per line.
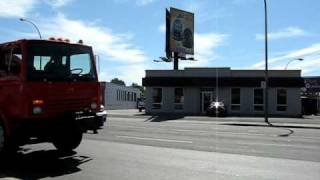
(181,31)
(312,84)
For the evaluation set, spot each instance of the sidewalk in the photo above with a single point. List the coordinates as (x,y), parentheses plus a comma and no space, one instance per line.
(306,122)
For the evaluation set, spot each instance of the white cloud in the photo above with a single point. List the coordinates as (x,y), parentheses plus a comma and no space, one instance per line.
(203,11)
(162,28)
(241,2)
(144,2)
(58,3)
(21,8)
(112,46)
(205,45)
(311,62)
(16,8)
(137,2)
(283,33)
(132,73)
(205,48)
(301,53)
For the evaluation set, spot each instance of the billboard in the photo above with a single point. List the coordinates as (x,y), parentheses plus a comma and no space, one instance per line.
(181,28)
(312,84)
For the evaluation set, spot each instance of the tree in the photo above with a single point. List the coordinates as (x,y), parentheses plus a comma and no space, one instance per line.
(141,88)
(118,81)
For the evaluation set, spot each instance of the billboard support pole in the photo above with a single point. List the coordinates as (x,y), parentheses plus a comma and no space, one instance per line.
(175,61)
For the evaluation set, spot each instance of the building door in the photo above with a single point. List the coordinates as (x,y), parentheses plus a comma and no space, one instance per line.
(207,98)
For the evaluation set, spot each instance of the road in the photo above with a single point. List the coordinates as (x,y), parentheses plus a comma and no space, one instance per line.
(133,148)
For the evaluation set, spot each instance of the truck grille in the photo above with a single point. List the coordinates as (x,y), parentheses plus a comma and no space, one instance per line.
(68,105)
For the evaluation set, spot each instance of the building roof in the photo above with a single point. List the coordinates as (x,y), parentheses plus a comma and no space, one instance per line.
(222,72)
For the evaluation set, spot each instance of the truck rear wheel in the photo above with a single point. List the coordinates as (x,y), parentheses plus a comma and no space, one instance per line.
(7,147)
(2,138)
(68,137)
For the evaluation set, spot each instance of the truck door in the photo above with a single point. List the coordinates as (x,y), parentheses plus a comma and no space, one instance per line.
(10,75)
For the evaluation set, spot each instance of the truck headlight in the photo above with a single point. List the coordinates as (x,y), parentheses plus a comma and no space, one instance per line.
(93,105)
(37,110)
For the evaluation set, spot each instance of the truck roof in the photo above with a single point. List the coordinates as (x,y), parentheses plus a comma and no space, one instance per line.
(41,40)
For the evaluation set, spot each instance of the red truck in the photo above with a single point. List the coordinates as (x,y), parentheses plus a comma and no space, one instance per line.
(49,92)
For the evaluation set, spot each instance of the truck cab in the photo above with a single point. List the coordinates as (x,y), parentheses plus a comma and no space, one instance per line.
(49,91)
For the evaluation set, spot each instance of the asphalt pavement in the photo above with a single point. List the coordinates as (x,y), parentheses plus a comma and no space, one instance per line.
(138,148)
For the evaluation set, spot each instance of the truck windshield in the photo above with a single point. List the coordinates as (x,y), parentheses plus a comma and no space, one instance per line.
(60,62)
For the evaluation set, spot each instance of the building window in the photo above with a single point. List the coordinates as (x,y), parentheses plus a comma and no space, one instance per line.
(281,100)
(258,99)
(135,97)
(117,95)
(235,99)
(128,96)
(178,98)
(157,98)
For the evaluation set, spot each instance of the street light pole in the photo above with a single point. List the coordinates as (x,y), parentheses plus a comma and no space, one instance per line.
(299,59)
(266,114)
(34,25)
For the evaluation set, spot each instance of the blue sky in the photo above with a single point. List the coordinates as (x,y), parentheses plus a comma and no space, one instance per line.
(129,34)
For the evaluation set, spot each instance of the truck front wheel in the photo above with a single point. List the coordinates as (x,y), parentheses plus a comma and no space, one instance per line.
(68,137)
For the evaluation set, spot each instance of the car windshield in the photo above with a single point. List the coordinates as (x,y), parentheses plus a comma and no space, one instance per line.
(60,62)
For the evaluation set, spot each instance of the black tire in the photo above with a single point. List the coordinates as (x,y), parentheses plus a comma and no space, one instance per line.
(140,110)
(68,137)
(2,139)
(8,145)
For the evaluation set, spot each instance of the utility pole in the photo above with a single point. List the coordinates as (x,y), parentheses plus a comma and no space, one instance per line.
(266,112)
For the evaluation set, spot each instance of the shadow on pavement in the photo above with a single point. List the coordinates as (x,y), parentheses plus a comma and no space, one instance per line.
(290,131)
(40,164)
(161,118)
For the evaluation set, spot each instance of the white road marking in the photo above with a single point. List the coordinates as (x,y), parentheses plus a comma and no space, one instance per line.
(240,133)
(216,131)
(156,128)
(155,139)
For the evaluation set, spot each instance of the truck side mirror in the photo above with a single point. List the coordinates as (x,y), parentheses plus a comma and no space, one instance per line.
(97,62)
